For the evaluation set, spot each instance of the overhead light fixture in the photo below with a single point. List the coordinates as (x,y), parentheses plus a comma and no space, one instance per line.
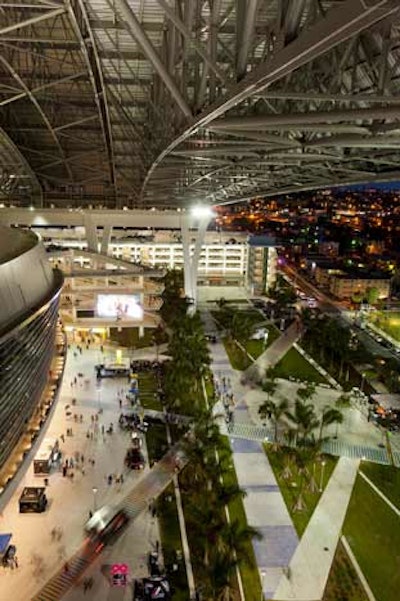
(202,211)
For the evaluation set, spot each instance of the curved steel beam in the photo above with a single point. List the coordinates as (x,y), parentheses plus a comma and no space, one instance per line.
(6,141)
(43,115)
(89,49)
(134,27)
(341,23)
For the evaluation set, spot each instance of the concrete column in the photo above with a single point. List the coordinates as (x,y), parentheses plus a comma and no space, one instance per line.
(105,240)
(91,232)
(191,262)
(187,279)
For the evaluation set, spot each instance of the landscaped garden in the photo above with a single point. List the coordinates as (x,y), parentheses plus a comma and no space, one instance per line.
(300,476)
(343,583)
(372,530)
(294,365)
(388,321)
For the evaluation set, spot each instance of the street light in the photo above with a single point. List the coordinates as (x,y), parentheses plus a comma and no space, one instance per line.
(322,475)
(95,491)
(262,575)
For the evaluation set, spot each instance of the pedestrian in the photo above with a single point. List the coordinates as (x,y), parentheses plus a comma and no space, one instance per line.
(81,418)
(82,459)
(64,471)
(90,514)
(109,480)
(102,429)
(62,437)
(66,567)
(120,403)
(15,561)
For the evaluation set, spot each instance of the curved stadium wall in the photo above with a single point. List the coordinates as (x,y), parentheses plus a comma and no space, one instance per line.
(29,296)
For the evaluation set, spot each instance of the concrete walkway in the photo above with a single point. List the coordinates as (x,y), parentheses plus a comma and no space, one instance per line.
(310,565)
(273,354)
(264,505)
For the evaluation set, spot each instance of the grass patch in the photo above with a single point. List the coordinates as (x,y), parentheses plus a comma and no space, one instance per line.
(386,478)
(372,530)
(156,440)
(289,488)
(389,322)
(129,337)
(238,359)
(171,543)
(294,365)
(343,583)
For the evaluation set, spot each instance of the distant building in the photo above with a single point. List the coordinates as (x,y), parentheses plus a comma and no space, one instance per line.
(261,264)
(345,286)
(329,249)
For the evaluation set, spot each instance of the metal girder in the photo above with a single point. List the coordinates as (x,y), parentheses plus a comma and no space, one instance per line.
(340,24)
(186,33)
(39,109)
(309,118)
(33,20)
(96,76)
(141,37)
(41,88)
(245,38)
(326,97)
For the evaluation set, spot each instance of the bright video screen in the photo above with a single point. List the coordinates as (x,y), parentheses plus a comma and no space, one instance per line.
(119,305)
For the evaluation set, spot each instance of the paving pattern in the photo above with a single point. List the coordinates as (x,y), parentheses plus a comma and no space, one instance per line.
(264,505)
(148,488)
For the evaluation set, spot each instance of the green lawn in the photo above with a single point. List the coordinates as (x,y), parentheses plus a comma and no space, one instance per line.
(343,583)
(388,321)
(386,478)
(289,488)
(238,359)
(147,390)
(373,532)
(294,365)
(256,347)
(129,337)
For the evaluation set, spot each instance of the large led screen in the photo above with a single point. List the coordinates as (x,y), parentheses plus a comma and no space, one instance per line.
(119,306)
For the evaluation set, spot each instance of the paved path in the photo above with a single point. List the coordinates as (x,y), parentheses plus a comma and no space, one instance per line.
(310,565)
(257,432)
(149,487)
(273,354)
(264,505)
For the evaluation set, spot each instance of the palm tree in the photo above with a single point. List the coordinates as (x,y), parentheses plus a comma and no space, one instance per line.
(269,384)
(304,419)
(233,541)
(275,412)
(330,415)
(306,391)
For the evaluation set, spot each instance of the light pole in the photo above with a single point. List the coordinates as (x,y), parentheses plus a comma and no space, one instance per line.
(262,576)
(322,475)
(95,491)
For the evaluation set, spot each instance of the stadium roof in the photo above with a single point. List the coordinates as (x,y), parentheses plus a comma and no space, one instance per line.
(160,103)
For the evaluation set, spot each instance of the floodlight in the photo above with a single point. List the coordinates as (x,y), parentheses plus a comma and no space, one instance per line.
(202,211)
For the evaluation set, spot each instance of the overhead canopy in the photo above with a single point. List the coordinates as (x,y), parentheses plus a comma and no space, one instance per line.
(161,103)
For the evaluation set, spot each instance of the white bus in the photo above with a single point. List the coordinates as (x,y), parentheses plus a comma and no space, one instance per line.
(46,457)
